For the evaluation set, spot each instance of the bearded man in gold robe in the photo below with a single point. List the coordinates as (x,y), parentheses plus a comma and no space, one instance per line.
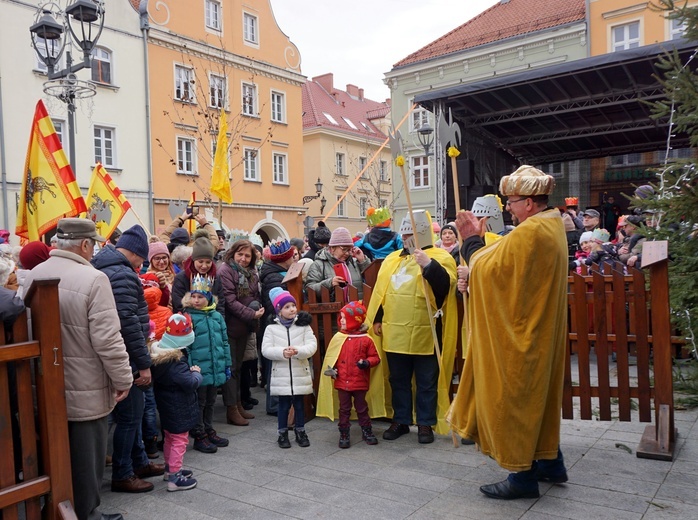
(510,394)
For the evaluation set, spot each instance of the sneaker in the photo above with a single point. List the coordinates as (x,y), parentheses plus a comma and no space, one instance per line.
(178,482)
(368,436)
(395,431)
(425,435)
(344,440)
(217,441)
(302,438)
(283,440)
(185,473)
(204,445)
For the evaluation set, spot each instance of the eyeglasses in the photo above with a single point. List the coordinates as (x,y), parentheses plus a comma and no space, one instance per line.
(510,202)
(345,249)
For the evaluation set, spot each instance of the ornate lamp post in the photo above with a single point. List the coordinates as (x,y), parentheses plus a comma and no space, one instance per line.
(318,189)
(83,20)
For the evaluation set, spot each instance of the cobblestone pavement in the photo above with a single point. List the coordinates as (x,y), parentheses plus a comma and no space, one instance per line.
(253,478)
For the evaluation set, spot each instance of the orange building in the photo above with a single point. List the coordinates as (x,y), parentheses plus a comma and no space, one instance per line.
(226,54)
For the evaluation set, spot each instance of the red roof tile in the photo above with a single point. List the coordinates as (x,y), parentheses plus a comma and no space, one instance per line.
(135,4)
(501,21)
(320,97)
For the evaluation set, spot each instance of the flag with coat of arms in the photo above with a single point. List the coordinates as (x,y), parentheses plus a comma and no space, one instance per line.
(107,205)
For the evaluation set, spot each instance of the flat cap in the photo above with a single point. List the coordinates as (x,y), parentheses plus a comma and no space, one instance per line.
(71,228)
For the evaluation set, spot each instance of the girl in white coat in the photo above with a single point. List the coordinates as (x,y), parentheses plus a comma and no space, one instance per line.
(289,343)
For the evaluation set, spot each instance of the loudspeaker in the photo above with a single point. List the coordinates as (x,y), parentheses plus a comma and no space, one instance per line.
(466,178)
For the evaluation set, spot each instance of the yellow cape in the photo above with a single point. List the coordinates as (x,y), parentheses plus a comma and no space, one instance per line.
(327,400)
(510,392)
(397,336)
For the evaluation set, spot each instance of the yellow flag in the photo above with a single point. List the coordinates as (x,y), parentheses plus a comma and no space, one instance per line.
(49,190)
(220,182)
(107,205)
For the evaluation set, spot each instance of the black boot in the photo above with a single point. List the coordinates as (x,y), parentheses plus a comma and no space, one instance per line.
(367,435)
(283,440)
(344,441)
(151,447)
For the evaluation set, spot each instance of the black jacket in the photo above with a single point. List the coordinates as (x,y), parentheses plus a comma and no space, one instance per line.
(182,285)
(175,390)
(270,276)
(130,303)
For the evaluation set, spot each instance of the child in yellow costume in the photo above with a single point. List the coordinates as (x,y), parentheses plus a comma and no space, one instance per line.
(350,356)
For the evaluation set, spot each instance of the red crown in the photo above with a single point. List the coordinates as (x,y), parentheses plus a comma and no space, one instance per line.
(572,201)
(178,325)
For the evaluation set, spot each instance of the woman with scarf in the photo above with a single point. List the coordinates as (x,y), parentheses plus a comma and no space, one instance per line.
(241,291)
(161,266)
(449,240)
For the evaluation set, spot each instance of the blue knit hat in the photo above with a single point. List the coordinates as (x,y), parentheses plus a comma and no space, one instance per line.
(135,240)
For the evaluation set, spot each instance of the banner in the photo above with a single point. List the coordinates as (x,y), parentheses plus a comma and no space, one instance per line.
(220,181)
(49,190)
(107,205)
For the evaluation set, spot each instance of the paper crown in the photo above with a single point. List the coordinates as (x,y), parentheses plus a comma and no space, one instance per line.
(201,284)
(178,332)
(280,250)
(571,201)
(600,235)
(378,216)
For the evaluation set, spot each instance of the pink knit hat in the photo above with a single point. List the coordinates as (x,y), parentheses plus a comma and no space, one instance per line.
(341,237)
(157,248)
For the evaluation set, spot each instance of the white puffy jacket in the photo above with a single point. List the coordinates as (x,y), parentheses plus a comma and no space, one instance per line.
(290,376)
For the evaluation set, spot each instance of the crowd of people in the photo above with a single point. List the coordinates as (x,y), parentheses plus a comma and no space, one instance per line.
(154,326)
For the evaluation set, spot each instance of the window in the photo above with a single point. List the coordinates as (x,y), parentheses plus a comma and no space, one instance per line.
(626,36)
(249,99)
(249,28)
(383,203)
(341,207)
(677,29)
(368,128)
(101,65)
(554,169)
(104,146)
(184,84)
(280,169)
(331,119)
(349,122)
(626,160)
(185,155)
(420,117)
(278,107)
(251,165)
(217,94)
(420,172)
(339,157)
(362,165)
(674,153)
(213,15)
(46,48)
(383,171)
(363,206)
(60,128)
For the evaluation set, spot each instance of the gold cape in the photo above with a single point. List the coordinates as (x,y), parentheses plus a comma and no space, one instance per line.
(510,394)
(406,326)
(328,401)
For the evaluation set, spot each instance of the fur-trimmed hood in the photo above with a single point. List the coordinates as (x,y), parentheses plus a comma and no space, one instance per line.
(160,356)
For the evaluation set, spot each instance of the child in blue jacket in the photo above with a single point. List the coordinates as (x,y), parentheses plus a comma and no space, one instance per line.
(211,352)
(175,384)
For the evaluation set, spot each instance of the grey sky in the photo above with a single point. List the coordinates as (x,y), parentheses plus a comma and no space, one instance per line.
(359,41)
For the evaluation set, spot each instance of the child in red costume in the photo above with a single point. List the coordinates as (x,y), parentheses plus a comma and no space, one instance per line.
(351,370)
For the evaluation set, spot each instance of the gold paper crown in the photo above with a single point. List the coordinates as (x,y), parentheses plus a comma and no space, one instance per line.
(201,284)
(377,216)
(571,201)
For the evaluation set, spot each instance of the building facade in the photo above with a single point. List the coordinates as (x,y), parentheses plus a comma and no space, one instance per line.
(343,133)
(109,127)
(214,55)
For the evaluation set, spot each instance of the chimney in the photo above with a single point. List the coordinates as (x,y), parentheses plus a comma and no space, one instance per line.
(353,91)
(361,94)
(326,81)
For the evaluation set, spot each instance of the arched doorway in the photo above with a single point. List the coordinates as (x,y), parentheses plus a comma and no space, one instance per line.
(270,229)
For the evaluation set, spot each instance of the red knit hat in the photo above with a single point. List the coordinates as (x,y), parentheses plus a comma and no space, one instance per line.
(354,314)
(33,254)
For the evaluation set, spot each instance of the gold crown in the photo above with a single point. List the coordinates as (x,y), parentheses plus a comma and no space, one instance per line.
(377,216)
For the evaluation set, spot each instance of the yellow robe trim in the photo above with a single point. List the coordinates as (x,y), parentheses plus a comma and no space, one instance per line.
(406,327)
(510,393)
(328,400)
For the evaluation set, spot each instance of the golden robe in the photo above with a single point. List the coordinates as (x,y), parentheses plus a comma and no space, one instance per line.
(509,398)
(328,400)
(406,322)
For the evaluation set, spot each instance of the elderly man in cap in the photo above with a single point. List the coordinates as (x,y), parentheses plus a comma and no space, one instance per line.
(590,219)
(96,365)
(130,462)
(510,394)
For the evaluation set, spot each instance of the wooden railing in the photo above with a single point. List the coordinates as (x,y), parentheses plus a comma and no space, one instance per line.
(45,451)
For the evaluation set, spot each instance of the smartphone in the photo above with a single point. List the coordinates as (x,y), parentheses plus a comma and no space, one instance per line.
(339,271)
(193,210)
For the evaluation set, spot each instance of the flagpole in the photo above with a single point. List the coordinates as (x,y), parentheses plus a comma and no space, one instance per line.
(220,212)
(140,220)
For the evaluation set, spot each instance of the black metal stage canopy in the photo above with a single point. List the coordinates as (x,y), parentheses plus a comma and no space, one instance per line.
(593,107)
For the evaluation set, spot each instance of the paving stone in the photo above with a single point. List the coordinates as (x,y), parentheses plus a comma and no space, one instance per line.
(661,509)
(600,497)
(581,511)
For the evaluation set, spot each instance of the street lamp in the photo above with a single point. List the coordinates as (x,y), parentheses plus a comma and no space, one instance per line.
(318,189)
(425,134)
(49,39)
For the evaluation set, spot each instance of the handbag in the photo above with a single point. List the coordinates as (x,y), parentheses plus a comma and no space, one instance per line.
(250,348)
